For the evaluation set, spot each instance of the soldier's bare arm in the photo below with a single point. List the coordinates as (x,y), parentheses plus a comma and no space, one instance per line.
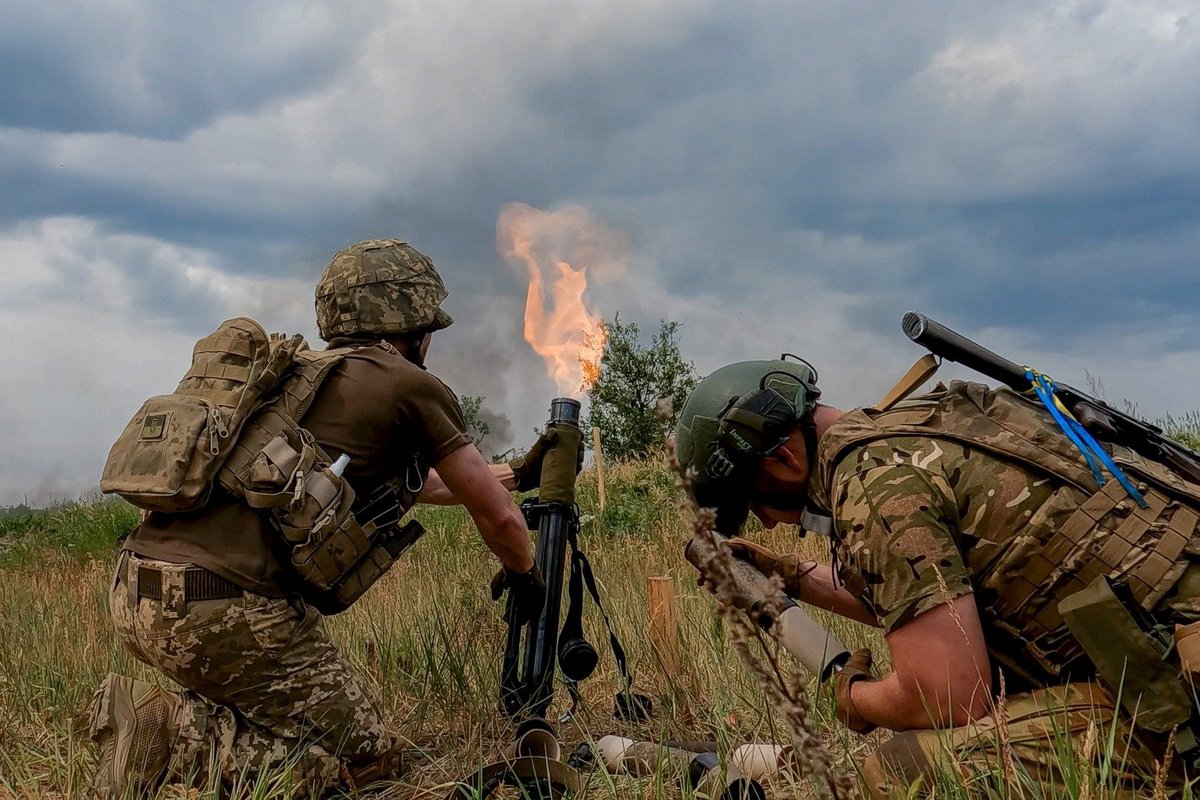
(501,525)
(436,493)
(819,588)
(940,672)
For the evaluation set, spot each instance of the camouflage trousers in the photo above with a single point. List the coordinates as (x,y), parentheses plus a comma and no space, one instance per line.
(268,697)
(1051,738)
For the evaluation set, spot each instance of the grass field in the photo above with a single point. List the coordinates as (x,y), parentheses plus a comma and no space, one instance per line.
(427,636)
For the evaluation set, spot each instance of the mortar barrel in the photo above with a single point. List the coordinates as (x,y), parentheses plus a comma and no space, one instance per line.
(565,410)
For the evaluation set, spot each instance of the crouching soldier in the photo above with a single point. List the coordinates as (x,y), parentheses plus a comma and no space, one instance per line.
(970,528)
(280,475)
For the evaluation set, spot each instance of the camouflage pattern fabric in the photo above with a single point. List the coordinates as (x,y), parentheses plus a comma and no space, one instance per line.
(919,519)
(267,693)
(1049,733)
(379,286)
(922,520)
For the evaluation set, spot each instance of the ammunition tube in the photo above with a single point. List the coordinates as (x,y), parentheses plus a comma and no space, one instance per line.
(756,761)
(536,739)
(700,772)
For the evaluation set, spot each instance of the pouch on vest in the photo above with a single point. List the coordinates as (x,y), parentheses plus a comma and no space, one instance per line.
(338,547)
(1129,661)
(375,522)
(167,457)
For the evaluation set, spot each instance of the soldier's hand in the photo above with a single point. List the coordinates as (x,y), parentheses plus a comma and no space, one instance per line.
(527,468)
(857,668)
(787,566)
(763,558)
(527,588)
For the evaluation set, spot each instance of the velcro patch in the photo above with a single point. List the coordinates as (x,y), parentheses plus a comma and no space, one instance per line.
(154,427)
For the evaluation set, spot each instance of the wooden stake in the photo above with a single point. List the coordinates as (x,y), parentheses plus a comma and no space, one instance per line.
(664,624)
(599,468)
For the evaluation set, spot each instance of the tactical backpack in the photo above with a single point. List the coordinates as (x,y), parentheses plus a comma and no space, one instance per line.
(233,422)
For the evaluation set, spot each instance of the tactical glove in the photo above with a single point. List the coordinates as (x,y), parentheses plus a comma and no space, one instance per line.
(527,467)
(857,668)
(788,566)
(527,588)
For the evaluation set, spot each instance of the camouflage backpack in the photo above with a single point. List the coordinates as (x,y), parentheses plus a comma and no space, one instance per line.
(233,421)
(168,456)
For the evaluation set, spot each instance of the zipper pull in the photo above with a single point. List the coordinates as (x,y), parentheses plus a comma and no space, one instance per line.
(214,446)
(222,429)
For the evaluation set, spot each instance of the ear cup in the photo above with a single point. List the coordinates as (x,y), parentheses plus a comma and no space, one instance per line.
(756,425)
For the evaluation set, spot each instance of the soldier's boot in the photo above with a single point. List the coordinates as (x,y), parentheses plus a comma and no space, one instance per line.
(388,767)
(133,722)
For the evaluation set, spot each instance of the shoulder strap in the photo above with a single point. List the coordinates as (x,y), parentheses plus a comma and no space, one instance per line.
(921,371)
(581,577)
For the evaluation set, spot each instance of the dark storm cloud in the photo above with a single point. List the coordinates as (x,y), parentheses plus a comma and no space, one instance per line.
(792,176)
(162,69)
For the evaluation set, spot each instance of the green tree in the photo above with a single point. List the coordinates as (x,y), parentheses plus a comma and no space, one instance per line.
(477,427)
(633,379)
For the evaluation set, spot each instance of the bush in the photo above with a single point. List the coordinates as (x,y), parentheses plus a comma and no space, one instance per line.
(633,379)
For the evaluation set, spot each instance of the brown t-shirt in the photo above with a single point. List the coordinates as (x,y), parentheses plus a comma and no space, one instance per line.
(391,417)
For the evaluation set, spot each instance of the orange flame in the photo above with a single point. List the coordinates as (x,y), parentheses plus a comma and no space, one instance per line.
(568,335)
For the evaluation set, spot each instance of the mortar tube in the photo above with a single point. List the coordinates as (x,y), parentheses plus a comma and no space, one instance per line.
(534,690)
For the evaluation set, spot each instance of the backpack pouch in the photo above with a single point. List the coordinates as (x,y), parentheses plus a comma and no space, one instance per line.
(154,462)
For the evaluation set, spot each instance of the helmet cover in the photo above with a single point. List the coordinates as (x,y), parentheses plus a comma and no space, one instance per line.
(380,287)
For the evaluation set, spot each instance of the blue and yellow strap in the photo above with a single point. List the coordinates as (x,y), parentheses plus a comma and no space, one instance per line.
(1095,455)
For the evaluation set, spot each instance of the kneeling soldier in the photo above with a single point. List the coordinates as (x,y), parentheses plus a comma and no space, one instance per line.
(967,526)
(218,599)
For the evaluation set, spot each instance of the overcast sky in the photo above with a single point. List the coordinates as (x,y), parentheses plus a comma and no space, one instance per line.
(787,175)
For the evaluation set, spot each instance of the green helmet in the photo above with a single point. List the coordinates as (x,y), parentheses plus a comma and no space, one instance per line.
(733,419)
(380,286)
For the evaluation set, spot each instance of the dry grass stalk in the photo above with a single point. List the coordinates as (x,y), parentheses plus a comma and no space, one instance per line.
(1006,752)
(1164,769)
(945,590)
(812,756)
(1087,783)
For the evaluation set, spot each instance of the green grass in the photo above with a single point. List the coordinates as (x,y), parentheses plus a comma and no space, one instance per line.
(429,640)
(67,531)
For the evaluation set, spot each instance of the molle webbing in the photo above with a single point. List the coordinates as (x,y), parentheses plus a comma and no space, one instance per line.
(263,432)
(312,367)
(1129,554)
(1107,534)
(170,453)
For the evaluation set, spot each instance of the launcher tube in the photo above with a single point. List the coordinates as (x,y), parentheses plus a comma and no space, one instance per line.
(527,674)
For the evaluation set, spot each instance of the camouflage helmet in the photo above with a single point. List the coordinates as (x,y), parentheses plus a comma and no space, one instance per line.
(380,286)
(733,419)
